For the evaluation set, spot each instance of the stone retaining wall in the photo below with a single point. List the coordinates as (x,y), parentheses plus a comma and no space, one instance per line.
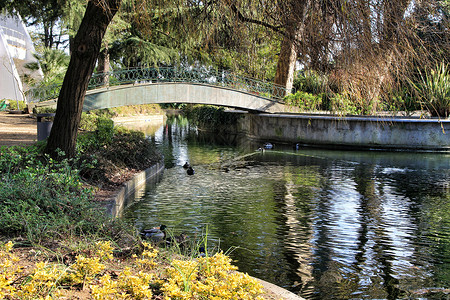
(390,133)
(120,200)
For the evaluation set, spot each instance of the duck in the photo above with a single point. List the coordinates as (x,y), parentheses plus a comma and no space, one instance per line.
(201,252)
(155,234)
(186,165)
(268,146)
(190,171)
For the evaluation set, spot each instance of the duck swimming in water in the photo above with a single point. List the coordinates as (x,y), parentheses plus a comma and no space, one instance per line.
(268,146)
(186,165)
(190,171)
(155,234)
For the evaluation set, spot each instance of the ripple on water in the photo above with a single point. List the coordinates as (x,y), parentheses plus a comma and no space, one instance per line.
(327,224)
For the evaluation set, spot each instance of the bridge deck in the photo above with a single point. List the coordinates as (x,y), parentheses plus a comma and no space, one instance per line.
(176,85)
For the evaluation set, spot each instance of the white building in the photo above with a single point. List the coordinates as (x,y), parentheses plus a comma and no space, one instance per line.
(16,50)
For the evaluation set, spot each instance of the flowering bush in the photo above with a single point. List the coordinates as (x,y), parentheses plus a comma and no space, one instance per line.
(203,278)
(209,278)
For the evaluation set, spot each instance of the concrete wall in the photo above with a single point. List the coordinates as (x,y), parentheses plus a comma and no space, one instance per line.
(349,132)
(122,197)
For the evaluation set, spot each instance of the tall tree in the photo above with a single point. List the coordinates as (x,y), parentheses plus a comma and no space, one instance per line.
(85,51)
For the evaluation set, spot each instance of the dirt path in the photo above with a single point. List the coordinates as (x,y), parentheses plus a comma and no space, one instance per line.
(17,129)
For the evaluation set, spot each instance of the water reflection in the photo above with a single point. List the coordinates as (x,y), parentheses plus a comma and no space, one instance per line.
(324,224)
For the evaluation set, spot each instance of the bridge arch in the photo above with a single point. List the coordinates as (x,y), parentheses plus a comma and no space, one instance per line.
(178,92)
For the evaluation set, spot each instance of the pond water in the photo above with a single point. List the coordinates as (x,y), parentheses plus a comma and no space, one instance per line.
(324,224)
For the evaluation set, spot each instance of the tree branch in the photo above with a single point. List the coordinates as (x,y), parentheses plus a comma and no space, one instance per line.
(243,18)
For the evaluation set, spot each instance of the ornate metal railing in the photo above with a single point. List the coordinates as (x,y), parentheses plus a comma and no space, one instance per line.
(171,74)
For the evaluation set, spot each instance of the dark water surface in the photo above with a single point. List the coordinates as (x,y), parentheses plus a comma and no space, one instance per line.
(324,224)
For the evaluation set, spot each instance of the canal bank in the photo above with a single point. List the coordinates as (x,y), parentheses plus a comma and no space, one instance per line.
(352,132)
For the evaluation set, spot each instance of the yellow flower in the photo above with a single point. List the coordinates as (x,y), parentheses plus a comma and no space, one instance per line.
(104,250)
(85,269)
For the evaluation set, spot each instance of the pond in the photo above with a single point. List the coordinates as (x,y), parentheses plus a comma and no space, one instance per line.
(324,224)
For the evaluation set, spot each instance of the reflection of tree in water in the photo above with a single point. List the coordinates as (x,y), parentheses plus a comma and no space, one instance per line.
(293,197)
(372,225)
(427,198)
(373,248)
(325,272)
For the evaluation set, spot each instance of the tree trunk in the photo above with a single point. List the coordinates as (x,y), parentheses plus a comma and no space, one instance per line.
(284,75)
(103,65)
(86,48)
(295,26)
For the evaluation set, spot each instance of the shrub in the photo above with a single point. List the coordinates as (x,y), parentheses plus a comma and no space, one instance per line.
(343,104)
(109,148)
(212,117)
(305,101)
(13,105)
(88,121)
(209,278)
(44,110)
(204,278)
(42,197)
(311,82)
(434,90)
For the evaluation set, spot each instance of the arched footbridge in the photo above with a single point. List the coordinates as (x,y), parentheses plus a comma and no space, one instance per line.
(175,85)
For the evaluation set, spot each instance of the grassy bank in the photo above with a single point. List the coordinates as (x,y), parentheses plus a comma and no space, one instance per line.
(57,242)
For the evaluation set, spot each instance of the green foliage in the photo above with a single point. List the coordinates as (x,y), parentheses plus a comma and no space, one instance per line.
(88,121)
(130,149)
(53,63)
(402,100)
(212,117)
(44,110)
(434,90)
(13,105)
(101,132)
(305,101)
(132,51)
(109,148)
(42,197)
(105,130)
(343,104)
(311,82)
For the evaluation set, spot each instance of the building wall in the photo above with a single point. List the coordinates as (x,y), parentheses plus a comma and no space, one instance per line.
(16,50)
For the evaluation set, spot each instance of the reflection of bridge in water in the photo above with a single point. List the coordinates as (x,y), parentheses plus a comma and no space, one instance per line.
(176,85)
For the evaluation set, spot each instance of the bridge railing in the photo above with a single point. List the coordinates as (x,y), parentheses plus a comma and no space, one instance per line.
(173,74)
